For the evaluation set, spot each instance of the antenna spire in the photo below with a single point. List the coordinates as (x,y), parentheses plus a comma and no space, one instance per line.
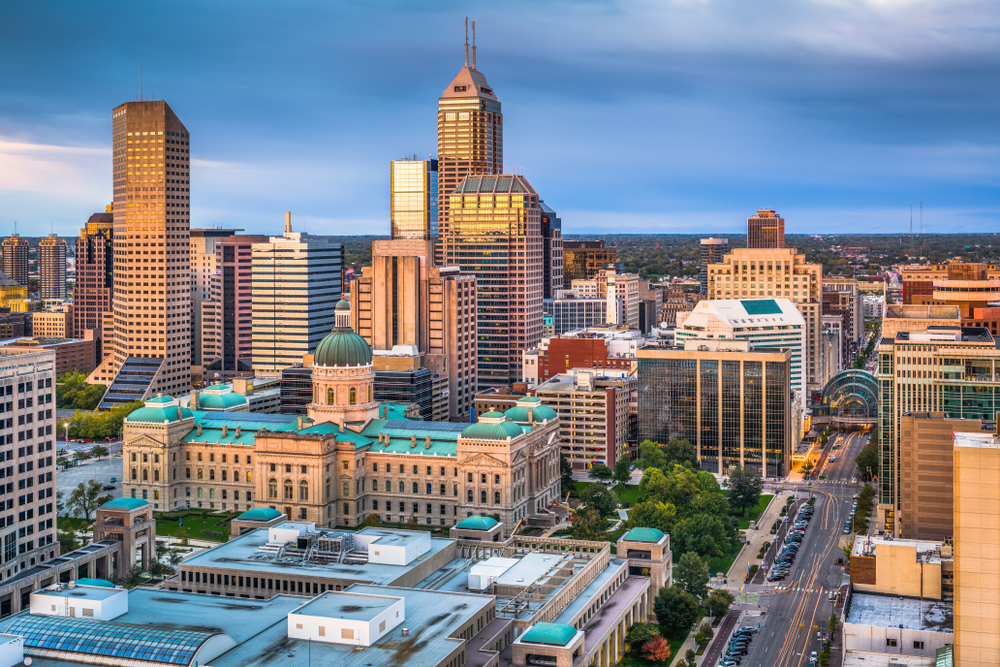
(466,41)
(140,82)
(473,43)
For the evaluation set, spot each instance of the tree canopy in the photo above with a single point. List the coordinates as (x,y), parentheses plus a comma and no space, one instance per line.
(745,487)
(106,424)
(600,471)
(600,498)
(691,574)
(73,392)
(623,470)
(676,610)
(86,498)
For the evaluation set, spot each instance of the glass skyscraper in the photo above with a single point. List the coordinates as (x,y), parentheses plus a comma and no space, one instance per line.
(413,197)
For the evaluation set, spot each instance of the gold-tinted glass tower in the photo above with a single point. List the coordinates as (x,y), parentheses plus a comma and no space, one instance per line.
(413,199)
(152,275)
(766,230)
(470,132)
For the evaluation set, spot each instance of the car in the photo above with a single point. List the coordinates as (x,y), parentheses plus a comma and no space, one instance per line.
(738,650)
(108,487)
(727,663)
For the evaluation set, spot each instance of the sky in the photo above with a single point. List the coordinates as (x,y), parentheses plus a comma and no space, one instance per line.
(631,116)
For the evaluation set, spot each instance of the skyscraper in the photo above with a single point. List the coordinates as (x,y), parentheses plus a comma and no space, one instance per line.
(15,258)
(297,281)
(94,273)
(583,259)
(413,198)
(470,132)
(232,295)
(711,252)
(552,251)
(766,230)
(152,275)
(202,258)
(52,267)
(495,233)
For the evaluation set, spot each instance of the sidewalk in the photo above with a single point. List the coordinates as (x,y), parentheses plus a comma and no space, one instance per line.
(756,540)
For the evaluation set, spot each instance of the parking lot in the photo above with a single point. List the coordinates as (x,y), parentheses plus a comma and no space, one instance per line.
(102,471)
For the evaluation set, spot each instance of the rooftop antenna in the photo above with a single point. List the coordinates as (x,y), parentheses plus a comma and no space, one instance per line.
(921,218)
(473,43)
(911,221)
(466,41)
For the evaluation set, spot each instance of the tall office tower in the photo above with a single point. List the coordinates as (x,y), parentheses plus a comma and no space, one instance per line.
(15,258)
(29,533)
(766,229)
(712,251)
(733,403)
(52,267)
(297,281)
(583,259)
(413,199)
(470,135)
(203,242)
(971,287)
(94,275)
(401,300)
(495,234)
(152,274)
(231,330)
(748,273)
(552,251)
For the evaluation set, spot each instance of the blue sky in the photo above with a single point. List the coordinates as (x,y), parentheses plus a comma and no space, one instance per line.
(631,116)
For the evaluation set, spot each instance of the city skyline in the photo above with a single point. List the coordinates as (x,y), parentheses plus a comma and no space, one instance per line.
(847,115)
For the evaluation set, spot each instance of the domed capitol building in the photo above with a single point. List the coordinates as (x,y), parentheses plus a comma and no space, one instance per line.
(350,458)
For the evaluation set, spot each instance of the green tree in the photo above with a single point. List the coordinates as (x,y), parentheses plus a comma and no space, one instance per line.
(601,472)
(718,602)
(691,657)
(652,514)
(824,656)
(68,540)
(706,629)
(700,639)
(565,474)
(622,472)
(79,456)
(412,521)
(371,520)
(134,576)
(707,535)
(848,549)
(808,466)
(86,498)
(62,461)
(680,486)
(73,392)
(600,498)
(681,452)
(98,451)
(833,624)
(745,487)
(60,503)
(640,633)
(650,456)
(588,524)
(867,459)
(691,574)
(676,610)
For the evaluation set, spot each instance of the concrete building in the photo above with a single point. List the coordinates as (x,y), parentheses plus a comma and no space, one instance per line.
(152,303)
(552,251)
(649,555)
(901,318)
(403,300)
(903,568)
(583,259)
(227,335)
(54,323)
(27,377)
(765,230)
(734,404)
(973,288)
(14,258)
(296,389)
(897,625)
(94,275)
(610,352)
(948,370)
(711,251)
(676,300)
(494,233)
(297,281)
(569,311)
(841,296)
(52,267)
(73,355)
(595,424)
(204,311)
(413,199)
(775,273)
(621,291)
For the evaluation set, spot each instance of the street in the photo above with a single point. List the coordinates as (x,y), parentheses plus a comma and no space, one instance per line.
(102,471)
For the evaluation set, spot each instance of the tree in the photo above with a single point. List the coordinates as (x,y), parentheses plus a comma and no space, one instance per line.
(700,639)
(676,610)
(706,629)
(73,392)
(86,498)
(807,467)
(99,451)
(652,514)
(834,624)
(371,520)
(691,574)
(60,503)
(656,650)
(707,535)
(62,461)
(565,474)
(600,498)
(745,487)
(601,472)
(718,602)
(848,549)
(691,657)
(67,541)
(588,524)
(622,472)
(867,460)
(824,656)
(412,521)
(134,576)
(681,452)
(175,558)
(639,634)
(650,456)
(79,456)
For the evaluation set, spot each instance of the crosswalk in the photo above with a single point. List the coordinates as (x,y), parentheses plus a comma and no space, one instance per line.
(798,589)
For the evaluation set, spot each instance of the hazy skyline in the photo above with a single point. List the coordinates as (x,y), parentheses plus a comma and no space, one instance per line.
(673,116)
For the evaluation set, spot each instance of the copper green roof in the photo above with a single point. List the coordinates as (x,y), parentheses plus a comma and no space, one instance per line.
(478,523)
(342,347)
(217,387)
(154,413)
(220,401)
(557,634)
(493,426)
(124,504)
(342,305)
(259,514)
(539,412)
(651,535)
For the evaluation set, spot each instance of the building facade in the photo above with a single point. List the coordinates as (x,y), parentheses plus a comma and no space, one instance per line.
(570,312)
(608,352)
(94,274)
(766,230)
(204,311)
(552,251)
(52,267)
(227,338)
(733,404)
(583,259)
(710,251)
(54,323)
(297,281)
(413,198)
(152,207)
(14,258)
(973,288)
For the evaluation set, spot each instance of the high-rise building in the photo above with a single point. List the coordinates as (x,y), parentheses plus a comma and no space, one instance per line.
(552,251)
(14,253)
(973,288)
(203,309)
(413,199)
(29,533)
(841,297)
(52,268)
(151,160)
(732,403)
(402,300)
(297,281)
(228,336)
(766,230)
(470,133)
(570,312)
(711,252)
(619,290)
(583,259)
(494,233)
(772,273)
(608,352)
(94,275)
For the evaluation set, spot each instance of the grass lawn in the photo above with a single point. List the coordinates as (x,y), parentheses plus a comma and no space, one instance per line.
(723,563)
(628,492)
(754,513)
(213,527)
(72,523)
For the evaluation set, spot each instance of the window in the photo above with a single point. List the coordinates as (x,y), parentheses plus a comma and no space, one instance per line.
(918,645)
(496,497)
(303,491)
(429,488)
(288,490)
(374,485)
(347,489)
(482,497)
(352,396)
(470,495)
(416,488)
(890,642)
(470,478)
(443,491)
(303,469)
(496,479)
(374,467)
(345,465)
(402,488)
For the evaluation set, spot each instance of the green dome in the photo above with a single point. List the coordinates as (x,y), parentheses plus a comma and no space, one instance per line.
(124,504)
(557,634)
(259,514)
(220,401)
(539,412)
(343,304)
(158,410)
(342,347)
(492,426)
(651,535)
(478,523)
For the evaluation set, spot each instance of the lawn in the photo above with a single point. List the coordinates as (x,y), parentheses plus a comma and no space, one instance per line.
(72,523)
(723,563)
(754,513)
(628,493)
(194,525)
